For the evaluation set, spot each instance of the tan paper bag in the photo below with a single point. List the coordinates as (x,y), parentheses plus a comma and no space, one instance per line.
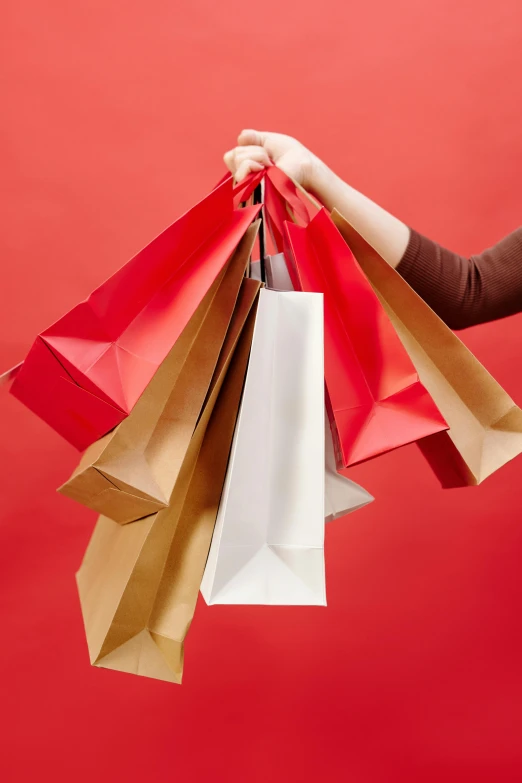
(138,583)
(128,474)
(485,424)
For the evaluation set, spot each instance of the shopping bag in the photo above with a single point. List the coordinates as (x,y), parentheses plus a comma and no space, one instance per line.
(283,199)
(178,592)
(485,425)
(375,399)
(130,472)
(341,495)
(268,543)
(84,374)
(276,272)
(138,583)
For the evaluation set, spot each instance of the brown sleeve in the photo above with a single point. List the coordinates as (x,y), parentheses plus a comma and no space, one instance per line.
(466,291)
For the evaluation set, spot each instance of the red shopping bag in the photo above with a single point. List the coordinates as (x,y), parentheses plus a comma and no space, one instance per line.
(84,373)
(375,398)
(283,200)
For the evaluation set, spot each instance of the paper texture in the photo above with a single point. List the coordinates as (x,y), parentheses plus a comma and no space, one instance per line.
(131,472)
(268,544)
(84,374)
(375,399)
(138,583)
(485,424)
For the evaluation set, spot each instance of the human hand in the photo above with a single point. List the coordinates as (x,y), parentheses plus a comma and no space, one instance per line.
(257,149)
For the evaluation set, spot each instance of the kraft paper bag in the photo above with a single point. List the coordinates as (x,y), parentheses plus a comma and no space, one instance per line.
(138,583)
(268,543)
(485,425)
(84,374)
(129,473)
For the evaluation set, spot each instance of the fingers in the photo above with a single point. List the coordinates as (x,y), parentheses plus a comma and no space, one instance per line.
(246,167)
(250,137)
(253,153)
(228,157)
(233,158)
(242,160)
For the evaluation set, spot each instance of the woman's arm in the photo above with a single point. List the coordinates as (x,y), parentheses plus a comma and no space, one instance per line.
(386,233)
(257,149)
(466,291)
(462,291)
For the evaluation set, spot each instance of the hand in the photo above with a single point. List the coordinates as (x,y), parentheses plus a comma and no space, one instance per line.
(257,149)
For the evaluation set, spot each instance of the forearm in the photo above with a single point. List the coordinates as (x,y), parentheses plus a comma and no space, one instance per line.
(462,291)
(466,291)
(386,233)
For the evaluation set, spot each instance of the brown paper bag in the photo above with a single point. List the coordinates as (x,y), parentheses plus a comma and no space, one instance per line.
(138,583)
(485,424)
(129,473)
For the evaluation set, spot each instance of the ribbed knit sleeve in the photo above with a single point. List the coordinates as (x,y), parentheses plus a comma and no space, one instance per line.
(466,291)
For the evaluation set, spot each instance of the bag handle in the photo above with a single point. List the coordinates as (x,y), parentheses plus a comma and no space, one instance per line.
(242,191)
(9,375)
(301,204)
(288,188)
(258,198)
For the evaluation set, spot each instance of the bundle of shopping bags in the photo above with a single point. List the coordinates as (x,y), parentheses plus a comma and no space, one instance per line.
(219,386)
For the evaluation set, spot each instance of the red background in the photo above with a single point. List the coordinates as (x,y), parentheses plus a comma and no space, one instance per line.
(116,116)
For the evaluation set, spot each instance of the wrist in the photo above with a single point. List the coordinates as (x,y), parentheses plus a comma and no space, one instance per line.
(321,182)
(312,173)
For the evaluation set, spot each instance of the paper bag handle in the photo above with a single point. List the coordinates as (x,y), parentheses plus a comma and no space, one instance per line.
(293,194)
(9,375)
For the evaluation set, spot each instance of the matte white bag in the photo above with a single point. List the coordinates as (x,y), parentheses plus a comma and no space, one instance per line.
(268,543)
(342,496)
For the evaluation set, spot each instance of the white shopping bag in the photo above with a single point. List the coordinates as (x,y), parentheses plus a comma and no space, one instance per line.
(342,496)
(268,543)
